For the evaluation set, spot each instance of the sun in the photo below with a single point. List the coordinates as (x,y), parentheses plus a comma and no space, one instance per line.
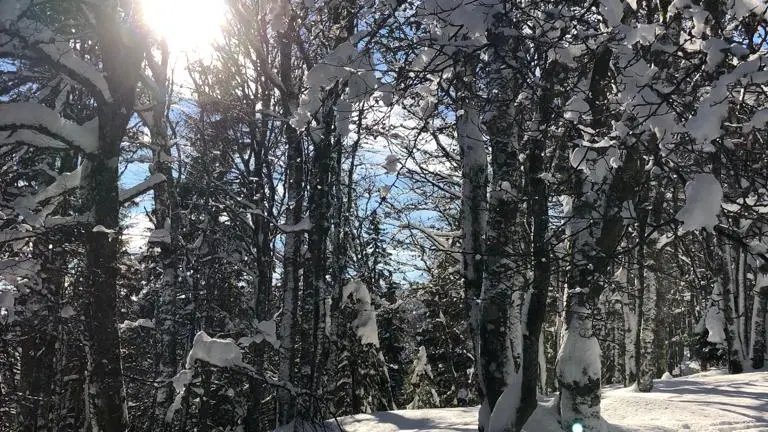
(189,26)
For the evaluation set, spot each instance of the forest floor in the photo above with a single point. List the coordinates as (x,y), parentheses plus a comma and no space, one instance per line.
(705,402)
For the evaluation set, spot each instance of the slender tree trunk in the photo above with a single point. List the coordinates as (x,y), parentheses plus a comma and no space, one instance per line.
(474,215)
(293,240)
(39,340)
(105,392)
(262,241)
(534,370)
(167,218)
(474,211)
(757,350)
(649,263)
(504,287)
(631,319)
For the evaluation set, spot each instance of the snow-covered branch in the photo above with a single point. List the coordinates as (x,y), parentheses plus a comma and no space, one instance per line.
(46,128)
(141,188)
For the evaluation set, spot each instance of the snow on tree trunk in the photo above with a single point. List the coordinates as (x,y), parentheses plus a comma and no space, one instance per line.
(741,303)
(595,227)
(578,370)
(649,260)
(542,366)
(504,295)
(535,309)
(721,316)
(474,211)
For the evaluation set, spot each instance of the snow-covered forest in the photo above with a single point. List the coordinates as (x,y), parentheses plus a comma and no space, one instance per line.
(336,207)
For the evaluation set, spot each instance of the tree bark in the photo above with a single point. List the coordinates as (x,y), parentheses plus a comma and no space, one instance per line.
(105,406)
(293,240)
(757,350)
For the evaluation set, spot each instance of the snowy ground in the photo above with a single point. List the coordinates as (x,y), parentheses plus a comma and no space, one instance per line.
(705,402)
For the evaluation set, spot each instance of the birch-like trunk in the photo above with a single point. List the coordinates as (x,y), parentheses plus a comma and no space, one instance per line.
(647,302)
(474,219)
(629,306)
(167,217)
(648,354)
(293,240)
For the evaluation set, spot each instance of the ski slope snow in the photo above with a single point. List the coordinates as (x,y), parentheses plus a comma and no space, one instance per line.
(706,402)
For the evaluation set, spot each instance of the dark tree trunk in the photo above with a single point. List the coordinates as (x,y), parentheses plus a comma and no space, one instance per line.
(40,336)
(758,345)
(293,240)
(121,61)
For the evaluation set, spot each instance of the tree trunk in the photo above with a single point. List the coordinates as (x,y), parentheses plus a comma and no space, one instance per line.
(631,320)
(757,350)
(504,287)
(474,213)
(534,370)
(595,228)
(105,405)
(649,302)
(105,392)
(293,240)
(39,337)
(167,217)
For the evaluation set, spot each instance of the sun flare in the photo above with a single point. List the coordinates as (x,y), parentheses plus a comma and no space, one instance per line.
(189,26)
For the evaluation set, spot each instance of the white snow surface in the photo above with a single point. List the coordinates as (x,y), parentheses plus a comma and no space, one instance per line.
(706,402)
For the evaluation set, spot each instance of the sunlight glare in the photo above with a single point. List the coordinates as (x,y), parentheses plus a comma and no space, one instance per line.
(189,26)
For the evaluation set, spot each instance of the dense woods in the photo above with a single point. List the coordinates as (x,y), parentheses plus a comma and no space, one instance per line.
(357,206)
